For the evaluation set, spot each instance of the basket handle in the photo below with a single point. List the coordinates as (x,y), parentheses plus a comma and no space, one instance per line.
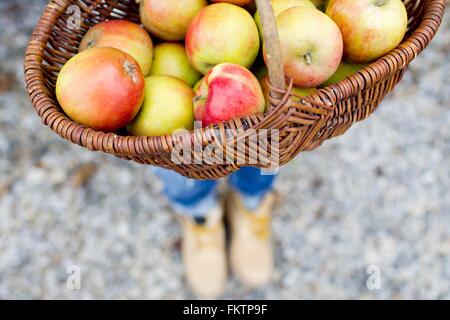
(272,44)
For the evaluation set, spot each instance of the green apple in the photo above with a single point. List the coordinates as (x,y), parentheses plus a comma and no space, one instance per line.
(344,71)
(170,59)
(221,33)
(167,107)
(370,28)
(301,92)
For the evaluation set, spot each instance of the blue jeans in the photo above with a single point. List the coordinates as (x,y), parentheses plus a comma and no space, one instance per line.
(197,197)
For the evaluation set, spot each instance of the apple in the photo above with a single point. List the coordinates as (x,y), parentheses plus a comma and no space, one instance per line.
(370,28)
(167,107)
(220,33)
(309,57)
(344,71)
(123,35)
(169,19)
(302,92)
(198,84)
(227,91)
(240,3)
(279,6)
(101,88)
(170,59)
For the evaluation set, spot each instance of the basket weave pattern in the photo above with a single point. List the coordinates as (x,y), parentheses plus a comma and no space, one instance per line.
(303,124)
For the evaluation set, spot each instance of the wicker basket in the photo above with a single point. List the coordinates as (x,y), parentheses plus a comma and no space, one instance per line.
(299,124)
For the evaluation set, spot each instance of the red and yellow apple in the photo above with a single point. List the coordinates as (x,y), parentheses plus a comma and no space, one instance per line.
(227,91)
(101,88)
(240,3)
(221,33)
(279,6)
(167,107)
(123,35)
(301,92)
(344,71)
(170,59)
(309,57)
(370,28)
(169,19)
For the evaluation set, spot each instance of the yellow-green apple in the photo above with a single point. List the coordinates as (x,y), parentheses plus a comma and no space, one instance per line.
(370,28)
(101,88)
(123,35)
(345,70)
(167,107)
(309,57)
(169,19)
(279,6)
(227,91)
(240,3)
(301,92)
(170,59)
(220,33)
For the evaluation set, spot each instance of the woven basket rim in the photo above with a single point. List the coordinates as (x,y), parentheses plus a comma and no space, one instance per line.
(327,97)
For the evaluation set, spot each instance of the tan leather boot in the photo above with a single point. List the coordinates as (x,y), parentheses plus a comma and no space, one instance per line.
(203,253)
(251,255)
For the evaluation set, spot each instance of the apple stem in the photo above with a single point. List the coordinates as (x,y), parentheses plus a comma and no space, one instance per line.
(308,59)
(198,98)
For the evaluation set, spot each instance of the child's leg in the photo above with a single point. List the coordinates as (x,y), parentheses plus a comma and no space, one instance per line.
(252,185)
(188,196)
(249,212)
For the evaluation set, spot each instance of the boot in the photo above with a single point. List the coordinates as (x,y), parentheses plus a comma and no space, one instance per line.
(203,253)
(251,254)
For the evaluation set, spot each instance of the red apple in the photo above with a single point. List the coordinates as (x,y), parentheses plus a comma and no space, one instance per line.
(102,88)
(227,91)
(169,19)
(311,46)
(123,35)
(221,33)
(370,28)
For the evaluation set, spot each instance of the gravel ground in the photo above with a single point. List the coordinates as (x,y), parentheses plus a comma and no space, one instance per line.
(376,197)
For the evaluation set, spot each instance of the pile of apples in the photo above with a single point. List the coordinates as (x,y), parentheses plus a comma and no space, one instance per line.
(199,67)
